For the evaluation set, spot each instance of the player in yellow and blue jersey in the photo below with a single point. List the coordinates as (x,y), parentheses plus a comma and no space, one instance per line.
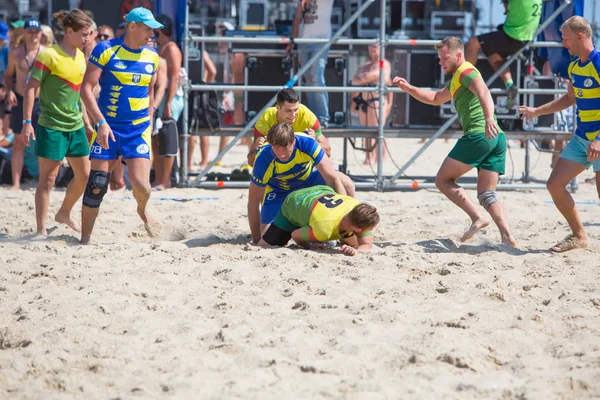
(125,69)
(583,149)
(290,161)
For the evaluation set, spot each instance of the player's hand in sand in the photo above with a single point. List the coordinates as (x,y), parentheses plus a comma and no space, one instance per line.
(491,128)
(402,84)
(103,134)
(348,250)
(528,112)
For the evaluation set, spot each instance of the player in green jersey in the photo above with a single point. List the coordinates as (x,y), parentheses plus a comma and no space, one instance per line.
(483,146)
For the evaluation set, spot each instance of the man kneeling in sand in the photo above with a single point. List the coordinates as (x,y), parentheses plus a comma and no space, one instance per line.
(318,214)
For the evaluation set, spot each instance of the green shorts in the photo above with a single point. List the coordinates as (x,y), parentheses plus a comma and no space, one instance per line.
(56,145)
(283,223)
(480,152)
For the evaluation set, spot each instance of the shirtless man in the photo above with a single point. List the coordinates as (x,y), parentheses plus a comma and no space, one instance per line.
(170,109)
(20,62)
(367,103)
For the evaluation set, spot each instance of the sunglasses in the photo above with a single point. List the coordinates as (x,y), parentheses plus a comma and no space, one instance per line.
(156,32)
(103,36)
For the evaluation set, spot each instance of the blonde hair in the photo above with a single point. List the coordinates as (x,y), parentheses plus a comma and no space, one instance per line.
(577,24)
(47,36)
(452,43)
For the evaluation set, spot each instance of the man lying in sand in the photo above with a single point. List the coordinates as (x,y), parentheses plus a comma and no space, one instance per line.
(289,162)
(318,214)
(583,149)
(483,146)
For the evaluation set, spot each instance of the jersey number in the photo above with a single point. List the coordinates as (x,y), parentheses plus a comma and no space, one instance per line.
(536,10)
(329,201)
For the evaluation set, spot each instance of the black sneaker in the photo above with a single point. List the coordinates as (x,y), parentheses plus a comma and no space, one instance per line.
(511,100)
(324,124)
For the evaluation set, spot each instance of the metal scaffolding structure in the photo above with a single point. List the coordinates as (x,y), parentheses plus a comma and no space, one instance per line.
(381,182)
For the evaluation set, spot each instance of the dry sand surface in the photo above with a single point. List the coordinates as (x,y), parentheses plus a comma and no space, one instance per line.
(198,313)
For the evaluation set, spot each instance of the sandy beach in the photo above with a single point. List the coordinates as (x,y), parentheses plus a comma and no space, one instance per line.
(198,313)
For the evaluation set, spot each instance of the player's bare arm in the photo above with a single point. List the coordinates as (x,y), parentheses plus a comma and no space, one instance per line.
(90,80)
(432,97)
(565,101)
(325,167)
(255,195)
(479,88)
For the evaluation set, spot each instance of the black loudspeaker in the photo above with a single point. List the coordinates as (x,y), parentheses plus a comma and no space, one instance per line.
(400,68)
(425,71)
(500,99)
(414,21)
(336,74)
(195,57)
(266,71)
(336,77)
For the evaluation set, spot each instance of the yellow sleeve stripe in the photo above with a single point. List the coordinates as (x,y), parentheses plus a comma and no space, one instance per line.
(106,55)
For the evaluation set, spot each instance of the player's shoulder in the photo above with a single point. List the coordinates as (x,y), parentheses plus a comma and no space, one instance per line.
(269,116)
(264,154)
(107,44)
(150,50)
(50,52)
(304,139)
(302,109)
(595,59)
(269,113)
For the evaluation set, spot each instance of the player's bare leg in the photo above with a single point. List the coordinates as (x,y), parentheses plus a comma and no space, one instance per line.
(445,181)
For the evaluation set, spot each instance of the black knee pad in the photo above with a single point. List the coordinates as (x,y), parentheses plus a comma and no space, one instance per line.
(168,140)
(96,188)
(275,236)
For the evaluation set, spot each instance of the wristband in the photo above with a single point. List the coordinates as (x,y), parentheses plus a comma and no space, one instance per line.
(27,121)
(102,121)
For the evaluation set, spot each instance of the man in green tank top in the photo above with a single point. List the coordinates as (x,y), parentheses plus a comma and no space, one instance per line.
(483,146)
(522,20)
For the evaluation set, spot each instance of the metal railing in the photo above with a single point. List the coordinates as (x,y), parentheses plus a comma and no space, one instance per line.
(381,183)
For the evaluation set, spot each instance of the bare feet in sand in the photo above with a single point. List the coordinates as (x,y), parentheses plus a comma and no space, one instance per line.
(570,243)
(150,224)
(475,227)
(153,228)
(85,240)
(63,218)
(509,240)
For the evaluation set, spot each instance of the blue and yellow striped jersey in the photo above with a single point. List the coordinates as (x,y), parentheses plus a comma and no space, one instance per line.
(126,75)
(291,174)
(585,78)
